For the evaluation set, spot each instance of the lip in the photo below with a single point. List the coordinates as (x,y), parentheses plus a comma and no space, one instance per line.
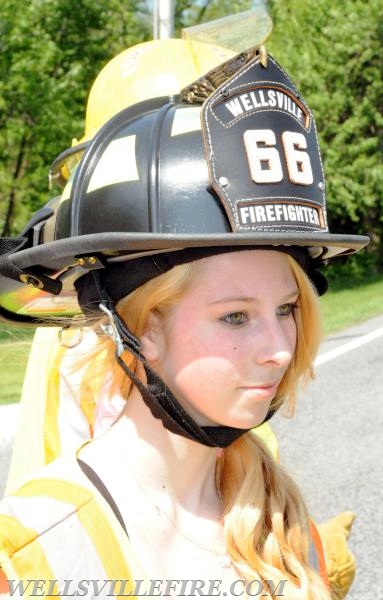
(264,389)
(261,385)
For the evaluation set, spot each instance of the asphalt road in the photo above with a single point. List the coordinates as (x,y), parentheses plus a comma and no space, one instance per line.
(333,446)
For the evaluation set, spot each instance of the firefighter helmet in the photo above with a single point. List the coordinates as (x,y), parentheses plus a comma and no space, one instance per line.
(232,161)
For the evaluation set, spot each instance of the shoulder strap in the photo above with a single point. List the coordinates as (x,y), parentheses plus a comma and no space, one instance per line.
(101,487)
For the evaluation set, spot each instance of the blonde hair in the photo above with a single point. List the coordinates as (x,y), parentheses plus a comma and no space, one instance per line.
(265,518)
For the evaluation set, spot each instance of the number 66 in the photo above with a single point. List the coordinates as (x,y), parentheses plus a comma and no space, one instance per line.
(265,162)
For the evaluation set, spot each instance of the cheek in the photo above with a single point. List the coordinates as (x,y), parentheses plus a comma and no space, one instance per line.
(205,371)
(201,381)
(194,360)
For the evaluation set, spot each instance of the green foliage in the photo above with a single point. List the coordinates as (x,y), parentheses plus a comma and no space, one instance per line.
(351,271)
(50,53)
(334,53)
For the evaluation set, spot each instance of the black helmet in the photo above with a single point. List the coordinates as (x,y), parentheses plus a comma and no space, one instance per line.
(215,168)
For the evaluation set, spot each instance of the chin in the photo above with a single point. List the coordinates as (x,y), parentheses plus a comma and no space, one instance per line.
(249,421)
(244,423)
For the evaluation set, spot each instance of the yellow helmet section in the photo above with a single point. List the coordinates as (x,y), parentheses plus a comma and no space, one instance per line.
(162,68)
(148,70)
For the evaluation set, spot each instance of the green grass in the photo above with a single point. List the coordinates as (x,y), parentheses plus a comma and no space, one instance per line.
(344,307)
(15,344)
(341,308)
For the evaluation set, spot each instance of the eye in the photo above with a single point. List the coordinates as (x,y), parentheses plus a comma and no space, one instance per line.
(235,318)
(285,310)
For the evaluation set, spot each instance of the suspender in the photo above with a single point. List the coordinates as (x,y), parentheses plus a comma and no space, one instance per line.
(101,487)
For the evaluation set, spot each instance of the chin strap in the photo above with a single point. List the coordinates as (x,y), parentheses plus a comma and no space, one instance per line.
(156,394)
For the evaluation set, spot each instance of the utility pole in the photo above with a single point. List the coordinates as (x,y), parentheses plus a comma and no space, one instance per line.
(163,19)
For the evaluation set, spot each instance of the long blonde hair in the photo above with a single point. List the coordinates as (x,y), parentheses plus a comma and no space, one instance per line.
(265,518)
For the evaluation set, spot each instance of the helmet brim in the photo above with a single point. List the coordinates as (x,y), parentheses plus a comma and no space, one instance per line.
(69,259)
(64,254)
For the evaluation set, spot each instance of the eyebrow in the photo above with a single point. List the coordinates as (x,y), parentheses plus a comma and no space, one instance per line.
(249,299)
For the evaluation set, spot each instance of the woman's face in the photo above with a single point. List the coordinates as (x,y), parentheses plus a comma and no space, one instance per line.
(224,348)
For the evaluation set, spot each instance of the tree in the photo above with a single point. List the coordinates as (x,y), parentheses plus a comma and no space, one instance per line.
(334,53)
(50,52)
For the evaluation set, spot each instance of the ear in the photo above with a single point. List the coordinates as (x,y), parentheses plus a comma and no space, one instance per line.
(152,339)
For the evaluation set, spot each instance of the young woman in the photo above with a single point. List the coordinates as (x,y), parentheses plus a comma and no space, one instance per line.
(192,236)
(223,333)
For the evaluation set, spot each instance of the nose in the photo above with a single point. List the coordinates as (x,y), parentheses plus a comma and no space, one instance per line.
(274,342)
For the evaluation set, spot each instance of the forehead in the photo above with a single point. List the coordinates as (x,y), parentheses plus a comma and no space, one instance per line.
(248,271)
